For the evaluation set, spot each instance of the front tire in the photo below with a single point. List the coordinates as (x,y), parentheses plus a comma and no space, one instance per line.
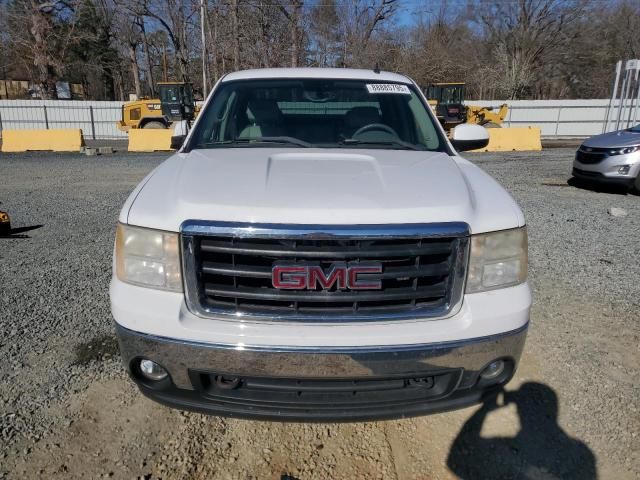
(155,125)
(636,186)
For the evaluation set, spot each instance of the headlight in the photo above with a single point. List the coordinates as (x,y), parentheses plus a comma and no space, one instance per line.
(497,260)
(149,258)
(624,150)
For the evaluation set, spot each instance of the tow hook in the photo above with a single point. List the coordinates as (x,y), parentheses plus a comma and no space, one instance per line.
(227,383)
(424,382)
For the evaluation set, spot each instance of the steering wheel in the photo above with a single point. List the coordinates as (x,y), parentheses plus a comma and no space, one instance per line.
(375,126)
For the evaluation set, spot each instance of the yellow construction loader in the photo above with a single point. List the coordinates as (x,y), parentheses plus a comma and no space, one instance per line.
(175,103)
(447,100)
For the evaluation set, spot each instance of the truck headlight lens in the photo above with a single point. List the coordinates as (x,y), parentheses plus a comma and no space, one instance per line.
(149,258)
(497,260)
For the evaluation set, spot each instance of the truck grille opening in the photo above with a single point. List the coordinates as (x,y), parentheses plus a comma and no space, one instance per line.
(233,275)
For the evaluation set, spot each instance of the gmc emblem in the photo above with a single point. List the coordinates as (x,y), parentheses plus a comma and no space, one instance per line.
(355,276)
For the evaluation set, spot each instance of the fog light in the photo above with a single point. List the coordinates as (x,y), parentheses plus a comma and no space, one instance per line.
(152,370)
(493,370)
(624,169)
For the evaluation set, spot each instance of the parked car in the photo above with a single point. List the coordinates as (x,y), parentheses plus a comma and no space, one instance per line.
(612,158)
(317,250)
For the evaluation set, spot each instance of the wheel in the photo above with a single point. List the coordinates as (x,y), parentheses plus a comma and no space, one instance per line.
(492,125)
(636,186)
(154,125)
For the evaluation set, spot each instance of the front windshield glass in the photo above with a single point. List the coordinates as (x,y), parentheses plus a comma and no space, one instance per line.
(169,94)
(452,95)
(316,113)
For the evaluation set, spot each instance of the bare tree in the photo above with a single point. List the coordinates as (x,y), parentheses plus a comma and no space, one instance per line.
(176,18)
(359,20)
(522,32)
(129,38)
(438,48)
(145,44)
(41,41)
(325,29)
(504,49)
(292,10)
(235,34)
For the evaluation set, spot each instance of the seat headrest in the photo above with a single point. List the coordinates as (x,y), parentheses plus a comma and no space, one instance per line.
(264,110)
(360,116)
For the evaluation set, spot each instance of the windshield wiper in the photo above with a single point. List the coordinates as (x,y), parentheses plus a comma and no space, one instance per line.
(397,142)
(282,139)
(247,140)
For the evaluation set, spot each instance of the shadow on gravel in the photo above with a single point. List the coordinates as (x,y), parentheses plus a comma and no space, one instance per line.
(540,450)
(96,349)
(597,187)
(19,232)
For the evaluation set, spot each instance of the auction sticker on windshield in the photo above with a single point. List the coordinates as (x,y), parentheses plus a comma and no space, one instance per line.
(388,88)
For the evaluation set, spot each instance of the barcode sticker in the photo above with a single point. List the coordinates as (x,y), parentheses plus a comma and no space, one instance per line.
(388,88)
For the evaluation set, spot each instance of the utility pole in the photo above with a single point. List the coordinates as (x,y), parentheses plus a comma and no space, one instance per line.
(203,15)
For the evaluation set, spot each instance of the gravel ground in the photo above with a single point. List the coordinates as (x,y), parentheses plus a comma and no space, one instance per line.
(68,410)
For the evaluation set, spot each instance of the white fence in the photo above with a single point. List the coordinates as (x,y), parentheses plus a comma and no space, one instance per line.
(96,119)
(556,118)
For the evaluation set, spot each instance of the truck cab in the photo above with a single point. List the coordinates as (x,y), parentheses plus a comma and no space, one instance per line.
(176,100)
(447,99)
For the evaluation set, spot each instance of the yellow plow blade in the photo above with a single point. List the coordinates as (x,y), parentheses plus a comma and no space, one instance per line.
(514,139)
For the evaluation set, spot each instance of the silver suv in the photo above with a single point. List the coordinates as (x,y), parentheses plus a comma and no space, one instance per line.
(612,158)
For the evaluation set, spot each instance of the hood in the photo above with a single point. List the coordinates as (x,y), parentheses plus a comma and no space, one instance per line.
(313,186)
(621,138)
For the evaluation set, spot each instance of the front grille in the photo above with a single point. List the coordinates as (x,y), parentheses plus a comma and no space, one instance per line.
(594,155)
(229,271)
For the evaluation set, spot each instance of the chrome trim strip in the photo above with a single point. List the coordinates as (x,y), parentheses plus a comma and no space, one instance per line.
(191,228)
(324,232)
(180,356)
(391,349)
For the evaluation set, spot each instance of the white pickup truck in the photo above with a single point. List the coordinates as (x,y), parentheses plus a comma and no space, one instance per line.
(317,250)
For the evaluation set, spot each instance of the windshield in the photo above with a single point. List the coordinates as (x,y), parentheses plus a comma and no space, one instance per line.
(316,113)
(169,94)
(446,94)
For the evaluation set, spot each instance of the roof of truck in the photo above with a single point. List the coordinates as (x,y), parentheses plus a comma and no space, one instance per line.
(334,73)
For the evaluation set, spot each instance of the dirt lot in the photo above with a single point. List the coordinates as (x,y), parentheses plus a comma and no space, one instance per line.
(67,410)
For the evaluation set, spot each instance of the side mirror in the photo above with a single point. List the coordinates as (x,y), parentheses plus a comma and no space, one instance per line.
(177,141)
(469,137)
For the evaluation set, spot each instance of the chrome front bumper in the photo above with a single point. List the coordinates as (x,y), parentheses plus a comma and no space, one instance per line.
(460,362)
